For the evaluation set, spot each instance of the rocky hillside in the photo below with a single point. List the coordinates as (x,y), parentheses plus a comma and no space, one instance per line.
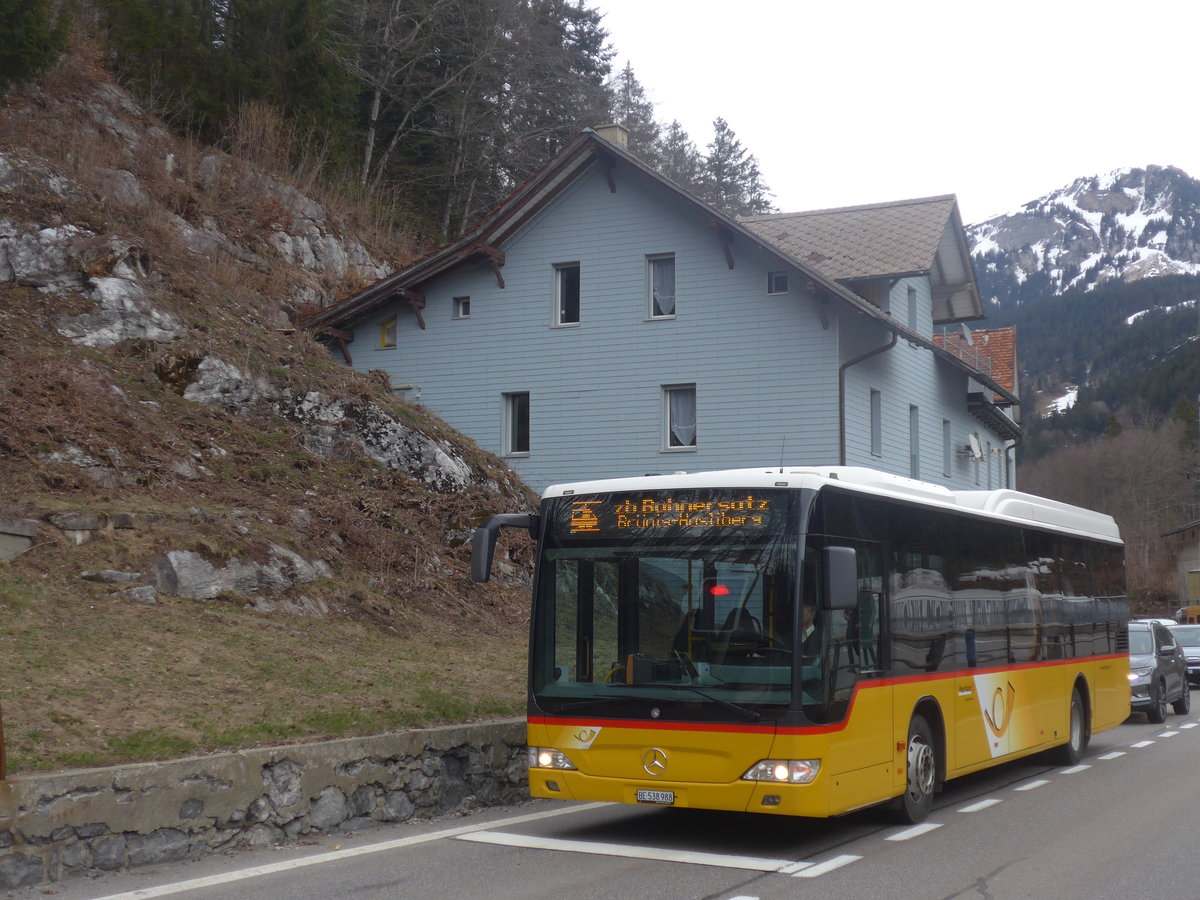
(1127,225)
(210,533)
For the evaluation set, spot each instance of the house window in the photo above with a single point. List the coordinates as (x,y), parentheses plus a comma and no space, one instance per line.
(566,294)
(914,442)
(987,461)
(680,404)
(462,307)
(387,333)
(516,424)
(660,277)
(777,282)
(975,460)
(876,423)
(912,308)
(947,448)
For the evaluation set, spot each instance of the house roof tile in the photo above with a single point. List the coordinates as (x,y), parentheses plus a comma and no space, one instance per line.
(872,241)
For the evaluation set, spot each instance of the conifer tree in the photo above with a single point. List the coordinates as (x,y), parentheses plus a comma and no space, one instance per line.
(631,108)
(730,178)
(31,39)
(678,158)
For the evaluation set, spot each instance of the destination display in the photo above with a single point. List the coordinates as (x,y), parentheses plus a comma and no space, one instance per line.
(666,512)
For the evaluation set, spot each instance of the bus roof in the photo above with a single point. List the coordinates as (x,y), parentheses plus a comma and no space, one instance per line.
(1015,506)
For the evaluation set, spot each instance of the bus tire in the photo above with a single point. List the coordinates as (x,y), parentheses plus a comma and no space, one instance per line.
(1157,713)
(921,770)
(1077,733)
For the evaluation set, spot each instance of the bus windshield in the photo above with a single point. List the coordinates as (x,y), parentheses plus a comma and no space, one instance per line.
(679,598)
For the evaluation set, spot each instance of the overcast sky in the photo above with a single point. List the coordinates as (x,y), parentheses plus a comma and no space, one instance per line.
(862,102)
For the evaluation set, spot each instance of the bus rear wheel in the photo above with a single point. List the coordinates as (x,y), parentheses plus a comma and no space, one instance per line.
(1077,735)
(917,800)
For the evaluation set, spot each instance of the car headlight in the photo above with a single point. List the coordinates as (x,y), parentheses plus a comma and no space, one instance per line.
(793,771)
(1140,676)
(548,758)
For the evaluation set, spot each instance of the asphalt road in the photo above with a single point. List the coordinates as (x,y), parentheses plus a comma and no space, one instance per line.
(1121,824)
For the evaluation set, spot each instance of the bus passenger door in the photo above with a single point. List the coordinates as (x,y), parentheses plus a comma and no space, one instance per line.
(861,762)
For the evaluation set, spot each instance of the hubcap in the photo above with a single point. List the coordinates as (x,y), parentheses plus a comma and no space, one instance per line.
(921,773)
(1076,725)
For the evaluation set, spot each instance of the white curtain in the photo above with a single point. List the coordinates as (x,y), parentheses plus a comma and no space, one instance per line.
(682,409)
(663,277)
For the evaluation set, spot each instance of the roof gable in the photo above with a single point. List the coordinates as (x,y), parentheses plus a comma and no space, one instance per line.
(884,240)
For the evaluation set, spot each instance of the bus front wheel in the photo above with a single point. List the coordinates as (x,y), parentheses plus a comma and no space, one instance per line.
(917,800)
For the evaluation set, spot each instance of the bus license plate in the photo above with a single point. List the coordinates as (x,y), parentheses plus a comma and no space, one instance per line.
(662,798)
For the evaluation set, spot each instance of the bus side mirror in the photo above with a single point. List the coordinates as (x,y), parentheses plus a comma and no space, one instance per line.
(841,578)
(483,541)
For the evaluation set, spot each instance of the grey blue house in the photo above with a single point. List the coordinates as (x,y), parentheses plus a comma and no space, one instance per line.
(604,322)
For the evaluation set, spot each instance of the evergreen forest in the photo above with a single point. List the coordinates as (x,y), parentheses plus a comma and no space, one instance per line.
(445,104)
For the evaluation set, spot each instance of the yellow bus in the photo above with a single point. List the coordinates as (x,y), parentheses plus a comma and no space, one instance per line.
(810,641)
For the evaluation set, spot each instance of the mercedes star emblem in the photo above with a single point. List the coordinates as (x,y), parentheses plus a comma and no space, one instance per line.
(654,761)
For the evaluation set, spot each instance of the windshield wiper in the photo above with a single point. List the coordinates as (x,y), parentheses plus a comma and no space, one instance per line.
(750,714)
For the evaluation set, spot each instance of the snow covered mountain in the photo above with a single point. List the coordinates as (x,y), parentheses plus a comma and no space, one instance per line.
(1127,225)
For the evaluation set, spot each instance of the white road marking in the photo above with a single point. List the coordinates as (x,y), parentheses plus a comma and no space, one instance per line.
(916,831)
(981,805)
(1113,755)
(629,851)
(193,884)
(794,868)
(1074,770)
(1141,744)
(1031,785)
(828,866)
(1167,733)
(1188,725)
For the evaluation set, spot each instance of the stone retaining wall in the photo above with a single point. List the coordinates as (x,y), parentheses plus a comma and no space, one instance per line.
(75,822)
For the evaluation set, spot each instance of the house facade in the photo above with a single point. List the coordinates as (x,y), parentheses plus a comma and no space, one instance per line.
(603,322)
(1183,543)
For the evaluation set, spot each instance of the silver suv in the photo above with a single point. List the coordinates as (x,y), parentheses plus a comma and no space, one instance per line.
(1157,671)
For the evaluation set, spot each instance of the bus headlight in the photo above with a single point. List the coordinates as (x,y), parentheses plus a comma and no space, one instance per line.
(548,758)
(793,771)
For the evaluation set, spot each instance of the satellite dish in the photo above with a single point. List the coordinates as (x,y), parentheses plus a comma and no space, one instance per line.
(976,450)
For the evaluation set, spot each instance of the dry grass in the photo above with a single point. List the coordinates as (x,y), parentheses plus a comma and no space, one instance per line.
(91,678)
(104,680)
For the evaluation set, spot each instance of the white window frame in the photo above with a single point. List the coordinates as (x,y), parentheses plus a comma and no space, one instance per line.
(652,264)
(773,282)
(560,275)
(462,307)
(669,436)
(876,423)
(511,442)
(914,441)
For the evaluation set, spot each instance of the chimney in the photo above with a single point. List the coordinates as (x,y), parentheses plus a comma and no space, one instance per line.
(614,134)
